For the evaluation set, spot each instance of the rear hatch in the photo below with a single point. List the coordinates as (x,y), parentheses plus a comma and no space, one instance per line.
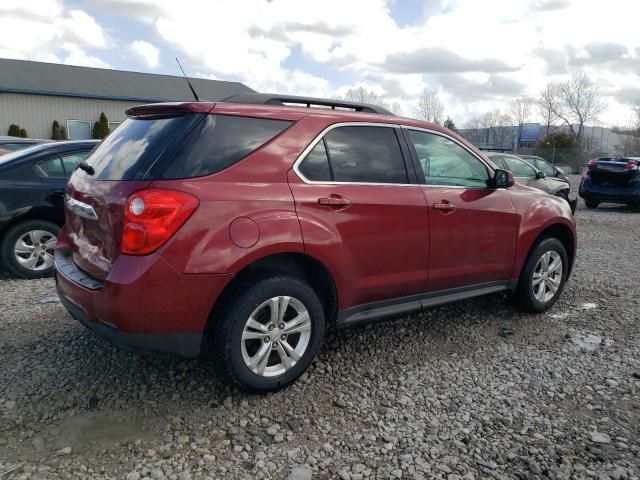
(613,171)
(123,163)
(157,142)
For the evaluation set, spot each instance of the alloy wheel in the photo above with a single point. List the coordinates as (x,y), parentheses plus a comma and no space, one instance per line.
(547,276)
(275,336)
(34,250)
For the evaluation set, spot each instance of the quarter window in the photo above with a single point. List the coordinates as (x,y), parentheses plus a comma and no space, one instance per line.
(316,164)
(444,162)
(366,154)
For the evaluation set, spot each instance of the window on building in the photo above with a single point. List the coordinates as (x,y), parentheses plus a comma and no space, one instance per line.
(113,126)
(78,129)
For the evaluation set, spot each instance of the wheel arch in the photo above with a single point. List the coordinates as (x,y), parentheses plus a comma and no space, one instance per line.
(296,264)
(48,214)
(563,233)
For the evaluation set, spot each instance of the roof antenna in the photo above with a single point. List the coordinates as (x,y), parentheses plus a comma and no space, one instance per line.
(195,95)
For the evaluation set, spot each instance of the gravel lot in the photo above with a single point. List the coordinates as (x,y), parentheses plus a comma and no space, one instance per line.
(470,390)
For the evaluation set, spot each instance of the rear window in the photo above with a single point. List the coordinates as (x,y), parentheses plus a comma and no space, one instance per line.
(132,148)
(220,141)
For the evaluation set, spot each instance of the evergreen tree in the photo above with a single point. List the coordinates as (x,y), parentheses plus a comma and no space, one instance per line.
(23,133)
(101,127)
(14,130)
(56,131)
(448,123)
(63,133)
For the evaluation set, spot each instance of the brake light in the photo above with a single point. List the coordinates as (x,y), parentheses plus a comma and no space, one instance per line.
(152,216)
(630,164)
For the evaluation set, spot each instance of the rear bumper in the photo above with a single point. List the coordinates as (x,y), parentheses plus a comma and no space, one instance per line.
(142,305)
(627,195)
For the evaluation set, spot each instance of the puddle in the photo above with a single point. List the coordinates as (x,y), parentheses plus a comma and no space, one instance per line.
(587,306)
(97,429)
(588,342)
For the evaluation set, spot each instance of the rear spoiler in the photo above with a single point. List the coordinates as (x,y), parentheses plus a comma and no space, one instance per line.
(169,109)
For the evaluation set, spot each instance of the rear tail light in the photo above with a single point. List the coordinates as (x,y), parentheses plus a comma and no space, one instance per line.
(152,216)
(629,165)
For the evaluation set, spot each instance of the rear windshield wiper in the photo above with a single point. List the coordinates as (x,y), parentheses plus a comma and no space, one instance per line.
(84,166)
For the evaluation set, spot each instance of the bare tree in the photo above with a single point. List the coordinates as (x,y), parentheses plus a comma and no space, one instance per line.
(396,108)
(547,105)
(578,101)
(473,130)
(363,95)
(429,108)
(497,128)
(520,110)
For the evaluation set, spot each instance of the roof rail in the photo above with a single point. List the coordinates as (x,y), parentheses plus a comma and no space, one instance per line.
(294,100)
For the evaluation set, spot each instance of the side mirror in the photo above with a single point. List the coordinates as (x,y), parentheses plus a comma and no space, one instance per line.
(503,179)
(541,175)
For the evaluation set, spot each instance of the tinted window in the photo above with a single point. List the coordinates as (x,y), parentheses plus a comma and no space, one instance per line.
(444,162)
(128,151)
(315,165)
(71,161)
(366,154)
(220,141)
(51,168)
(519,168)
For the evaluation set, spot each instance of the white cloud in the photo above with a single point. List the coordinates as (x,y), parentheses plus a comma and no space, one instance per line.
(146,52)
(77,56)
(46,31)
(478,55)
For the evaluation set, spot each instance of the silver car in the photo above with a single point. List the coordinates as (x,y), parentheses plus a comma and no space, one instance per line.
(526,174)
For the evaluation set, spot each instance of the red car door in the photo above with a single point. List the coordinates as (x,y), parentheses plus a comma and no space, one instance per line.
(361,216)
(472,226)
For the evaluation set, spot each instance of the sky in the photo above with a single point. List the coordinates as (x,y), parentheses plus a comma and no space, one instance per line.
(477,55)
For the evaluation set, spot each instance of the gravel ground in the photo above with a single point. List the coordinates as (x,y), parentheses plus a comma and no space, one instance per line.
(469,390)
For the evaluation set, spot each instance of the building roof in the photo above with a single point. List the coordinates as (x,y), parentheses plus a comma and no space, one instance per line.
(20,76)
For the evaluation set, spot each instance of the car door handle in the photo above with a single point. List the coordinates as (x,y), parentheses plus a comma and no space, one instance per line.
(444,206)
(334,201)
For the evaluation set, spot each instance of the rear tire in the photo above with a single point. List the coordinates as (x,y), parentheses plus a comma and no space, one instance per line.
(591,203)
(543,276)
(27,248)
(268,333)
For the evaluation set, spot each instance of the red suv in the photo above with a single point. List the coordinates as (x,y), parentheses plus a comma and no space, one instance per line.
(252,226)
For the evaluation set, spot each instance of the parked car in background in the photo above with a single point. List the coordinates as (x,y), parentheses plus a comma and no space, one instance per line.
(252,226)
(12,144)
(546,167)
(611,179)
(32,183)
(525,173)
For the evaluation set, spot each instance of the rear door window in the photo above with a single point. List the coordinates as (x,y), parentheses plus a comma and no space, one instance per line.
(51,168)
(71,160)
(218,142)
(366,154)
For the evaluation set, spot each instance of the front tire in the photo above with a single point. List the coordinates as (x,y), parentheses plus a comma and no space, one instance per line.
(27,248)
(268,333)
(543,276)
(591,203)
